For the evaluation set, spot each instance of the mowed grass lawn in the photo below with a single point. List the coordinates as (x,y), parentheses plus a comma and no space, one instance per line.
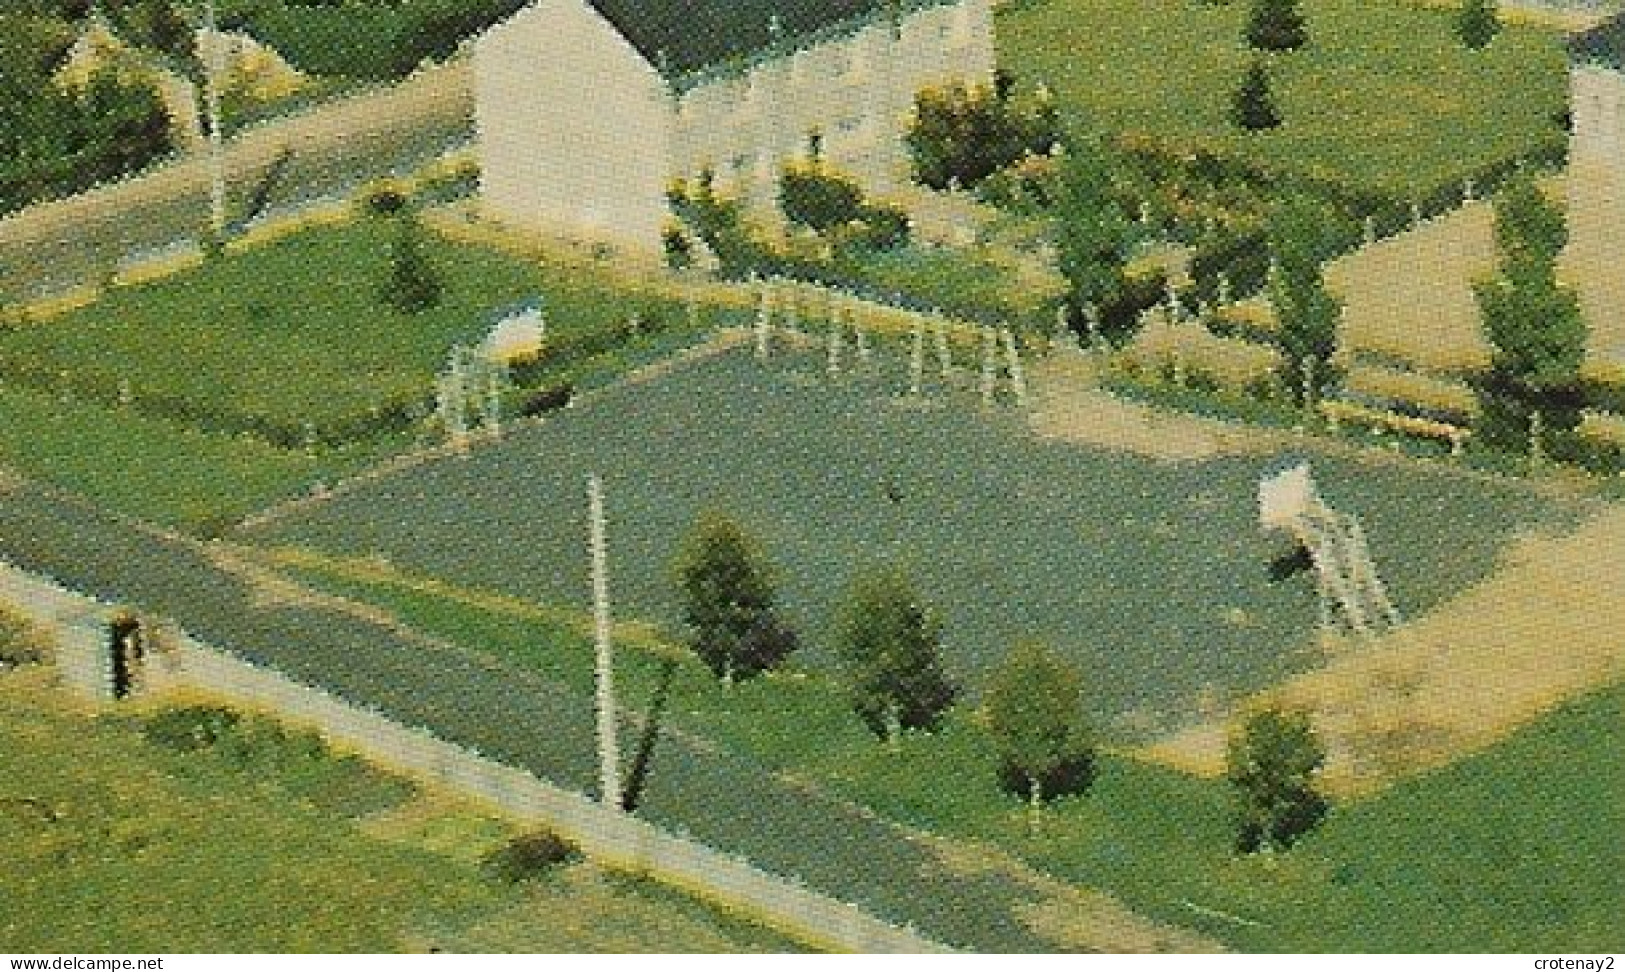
(1384,96)
(1513,849)
(295,332)
(153,468)
(114,843)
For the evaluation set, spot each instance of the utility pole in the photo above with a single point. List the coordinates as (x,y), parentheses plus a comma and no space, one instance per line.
(212,69)
(609,750)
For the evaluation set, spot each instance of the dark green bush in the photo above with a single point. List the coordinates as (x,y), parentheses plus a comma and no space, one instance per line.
(384,199)
(529,857)
(1071,777)
(819,198)
(963,134)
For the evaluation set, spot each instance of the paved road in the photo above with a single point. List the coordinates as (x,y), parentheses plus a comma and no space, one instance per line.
(511,714)
(330,149)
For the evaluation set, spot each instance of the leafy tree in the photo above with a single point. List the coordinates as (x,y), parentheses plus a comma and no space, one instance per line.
(1272,762)
(414,282)
(1307,314)
(1477,24)
(728,595)
(1034,710)
(1252,107)
(158,25)
(1531,395)
(1527,227)
(1276,25)
(55,142)
(961,134)
(1094,238)
(891,646)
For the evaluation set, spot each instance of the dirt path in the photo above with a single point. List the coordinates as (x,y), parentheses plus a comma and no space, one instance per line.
(1547,626)
(1070,407)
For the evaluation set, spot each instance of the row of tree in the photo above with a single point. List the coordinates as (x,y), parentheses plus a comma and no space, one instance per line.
(890,644)
(1531,396)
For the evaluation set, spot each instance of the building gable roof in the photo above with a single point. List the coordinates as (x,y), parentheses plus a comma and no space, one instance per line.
(684,37)
(1604,43)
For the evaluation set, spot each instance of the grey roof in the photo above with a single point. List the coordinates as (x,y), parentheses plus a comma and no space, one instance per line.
(1604,43)
(684,37)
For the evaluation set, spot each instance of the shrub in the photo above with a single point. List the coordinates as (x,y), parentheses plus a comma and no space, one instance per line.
(719,221)
(815,196)
(414,283)
(384,198)
(675,245)
(547,400)
(1276,25)
(1477,24)
(529,856)
(961,134)
(880,228)
(20,642)
(1252,107)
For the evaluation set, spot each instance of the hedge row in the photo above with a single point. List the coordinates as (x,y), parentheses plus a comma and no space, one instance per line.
(1241,252)
(390,417)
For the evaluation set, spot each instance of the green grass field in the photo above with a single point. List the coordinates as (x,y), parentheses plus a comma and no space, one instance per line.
(1151,576)
(153,468)
(1509,850)
(119,843)
(294,332)
(1384,97)
(225,364)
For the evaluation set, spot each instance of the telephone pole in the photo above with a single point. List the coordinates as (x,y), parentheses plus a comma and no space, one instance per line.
(212,69)
(609,750)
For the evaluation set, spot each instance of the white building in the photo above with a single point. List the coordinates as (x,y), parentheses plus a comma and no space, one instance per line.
(589,109)
(1596,183)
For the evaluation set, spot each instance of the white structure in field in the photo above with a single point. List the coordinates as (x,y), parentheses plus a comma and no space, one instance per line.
(519,335)
(469,393)
(1349,585)
(1596,182)
(588,110)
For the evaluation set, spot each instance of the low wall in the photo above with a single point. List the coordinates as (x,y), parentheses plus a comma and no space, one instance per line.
(176,662)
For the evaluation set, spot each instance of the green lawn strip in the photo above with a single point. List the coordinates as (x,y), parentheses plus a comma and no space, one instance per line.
(150,467)
(227,363)
(959,282)
(1384,97)
(1474,847)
